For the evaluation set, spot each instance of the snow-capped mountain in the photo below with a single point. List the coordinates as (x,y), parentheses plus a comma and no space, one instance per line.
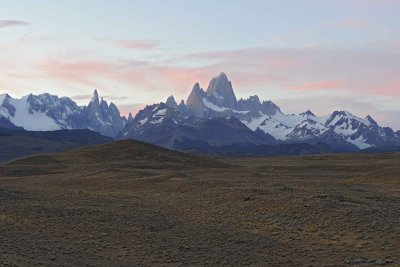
(47,112)
(166,126)
(103,118)
(43,112)
(209,119)
(341,129)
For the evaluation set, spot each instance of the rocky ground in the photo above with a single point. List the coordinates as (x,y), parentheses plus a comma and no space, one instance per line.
(130,204)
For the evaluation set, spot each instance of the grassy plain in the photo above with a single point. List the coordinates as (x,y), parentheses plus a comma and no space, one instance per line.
(134,204)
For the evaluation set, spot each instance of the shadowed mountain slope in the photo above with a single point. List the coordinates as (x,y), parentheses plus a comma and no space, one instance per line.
(109,157)
(17,143)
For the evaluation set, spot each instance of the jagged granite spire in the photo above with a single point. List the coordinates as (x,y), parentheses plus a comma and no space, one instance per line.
(221,88)
(95,97)
(171,102)
(195,101)
(130,117)
(102,117)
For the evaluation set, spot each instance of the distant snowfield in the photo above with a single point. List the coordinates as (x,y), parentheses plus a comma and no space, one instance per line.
(45,112)
(31,121)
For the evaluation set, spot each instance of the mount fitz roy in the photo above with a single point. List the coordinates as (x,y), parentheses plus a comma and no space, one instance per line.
(214,118)
(211,121)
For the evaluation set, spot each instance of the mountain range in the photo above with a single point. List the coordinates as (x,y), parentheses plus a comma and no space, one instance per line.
(211,120)
(47,112)
(215,117)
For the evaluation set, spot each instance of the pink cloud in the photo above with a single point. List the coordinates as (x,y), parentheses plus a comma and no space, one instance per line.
(317,69)
(134,44)
(253,70)
(389,88)
(253,57)
(94,72)
(130,73)
(11,23)
(349,24)
(138,44)
(362,70)
(81,72)
(181,79)
(318,85)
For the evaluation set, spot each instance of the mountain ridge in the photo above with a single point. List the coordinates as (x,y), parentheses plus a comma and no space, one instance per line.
(46,112)
(213,117)
(340,129)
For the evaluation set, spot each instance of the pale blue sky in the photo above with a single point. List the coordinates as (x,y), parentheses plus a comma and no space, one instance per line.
(321,55)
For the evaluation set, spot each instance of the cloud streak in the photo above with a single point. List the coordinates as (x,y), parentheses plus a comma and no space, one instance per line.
(317,68)
(138,44)
(141,75)
(349,24)
(320,85)
(365,71)
(12,23)
(134,44)
(308,72)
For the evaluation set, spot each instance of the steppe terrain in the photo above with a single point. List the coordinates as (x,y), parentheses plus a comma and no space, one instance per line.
(134,204)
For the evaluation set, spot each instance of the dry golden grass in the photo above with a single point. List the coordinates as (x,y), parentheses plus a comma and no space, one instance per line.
(130,203)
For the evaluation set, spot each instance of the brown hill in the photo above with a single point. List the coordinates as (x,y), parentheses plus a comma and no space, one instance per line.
(18,143)
(128,154)
(133,204)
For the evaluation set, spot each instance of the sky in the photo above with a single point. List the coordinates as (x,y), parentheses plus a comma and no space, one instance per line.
(320,55)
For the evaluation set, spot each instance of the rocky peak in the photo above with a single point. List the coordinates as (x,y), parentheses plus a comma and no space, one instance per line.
(114,109)
(130,117)
(103,104)
(332,117)
(255,99)
(5,96)
(307,113)
(30,98)
(182,108)
(269,108)
(196,92)
(7,105)
(251,104)
(254,104)
(171,102)
(221,88)
(196,87)
(195,101)
(371,120)
(103,117)
(95,98)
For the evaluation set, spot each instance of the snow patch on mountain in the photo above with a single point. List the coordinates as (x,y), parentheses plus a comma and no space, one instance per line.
(254,122)
(143,121)
(160,112)
(25,117)
(275,128)
(360,142)
(45,112)
(212,106)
